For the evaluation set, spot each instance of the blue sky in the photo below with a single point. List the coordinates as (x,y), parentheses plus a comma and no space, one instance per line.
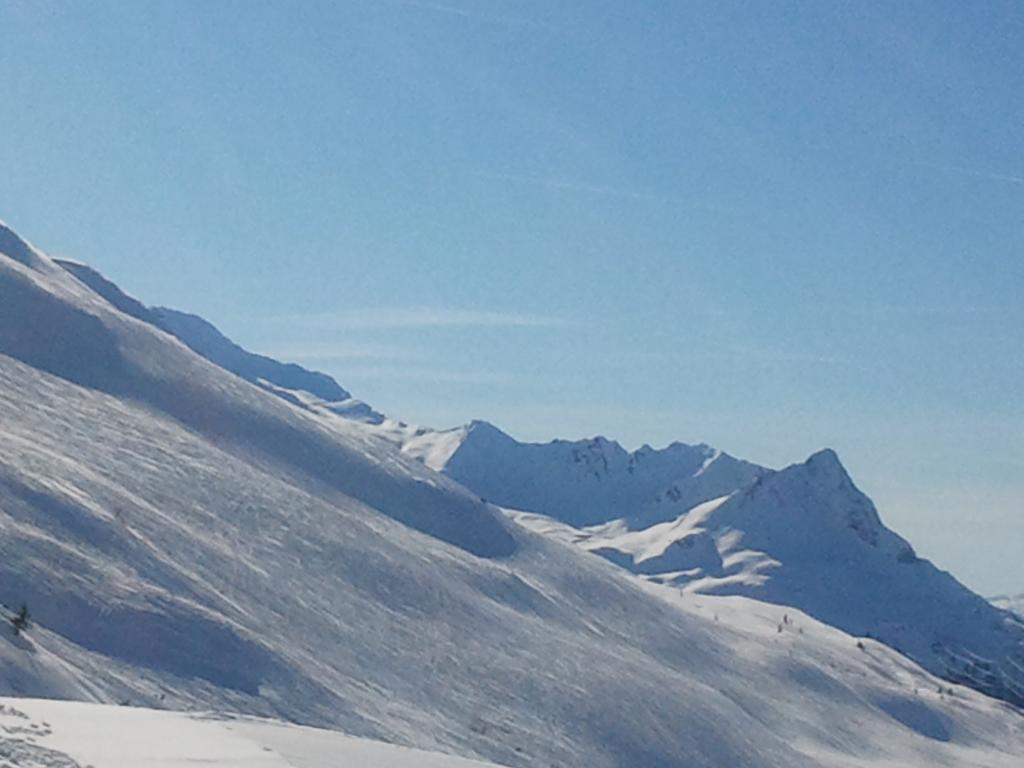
(771,227)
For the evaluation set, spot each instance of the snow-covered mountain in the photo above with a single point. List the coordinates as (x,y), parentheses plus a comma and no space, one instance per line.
(806,537)
(286,379)
(187,539)
(583,482)
(703,521)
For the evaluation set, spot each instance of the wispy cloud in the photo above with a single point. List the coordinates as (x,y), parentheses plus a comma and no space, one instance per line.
(973,172)
(343,352)
(397,318)
(375,373)
(569,185)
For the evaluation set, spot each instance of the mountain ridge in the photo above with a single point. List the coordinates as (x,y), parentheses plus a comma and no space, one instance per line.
(597,484)
(605,478)
(807,537)
(185,538)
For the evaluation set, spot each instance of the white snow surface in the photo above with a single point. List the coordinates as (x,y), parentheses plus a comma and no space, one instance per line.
(38,733)
(806,537)
(700,520)
(188,540)
(582,482)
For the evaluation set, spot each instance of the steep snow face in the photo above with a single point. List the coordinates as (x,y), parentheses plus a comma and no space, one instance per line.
(60,734)
(584,482)
(186,539)
(807,537)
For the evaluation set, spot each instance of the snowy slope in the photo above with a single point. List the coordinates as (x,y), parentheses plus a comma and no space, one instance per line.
(186,539)
(36,733)
(635,509)
(698,519)
(307,389)
(583,481)
(203,338)
(807,537)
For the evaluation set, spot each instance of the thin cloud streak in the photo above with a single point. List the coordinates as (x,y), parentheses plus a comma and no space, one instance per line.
(438,375)
(398,318)
(569,185)
(330,352)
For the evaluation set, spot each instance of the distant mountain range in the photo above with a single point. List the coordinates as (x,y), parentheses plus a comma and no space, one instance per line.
(195,527)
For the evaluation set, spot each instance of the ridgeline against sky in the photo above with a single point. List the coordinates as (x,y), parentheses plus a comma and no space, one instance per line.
(770,230)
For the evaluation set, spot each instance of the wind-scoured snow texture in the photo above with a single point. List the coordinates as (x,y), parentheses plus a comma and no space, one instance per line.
(185,539)
(60,734)
(807,537)
(582,482)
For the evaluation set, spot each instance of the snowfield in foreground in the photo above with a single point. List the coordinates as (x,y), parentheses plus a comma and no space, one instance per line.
(39,733)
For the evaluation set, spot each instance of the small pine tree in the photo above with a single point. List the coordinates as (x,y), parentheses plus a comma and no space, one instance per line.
(22,620)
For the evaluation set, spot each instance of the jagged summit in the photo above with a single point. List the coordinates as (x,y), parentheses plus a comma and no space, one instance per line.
(809,510)
(806,536)
(481,429)
(827,464)
(826,457)
(582,482)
